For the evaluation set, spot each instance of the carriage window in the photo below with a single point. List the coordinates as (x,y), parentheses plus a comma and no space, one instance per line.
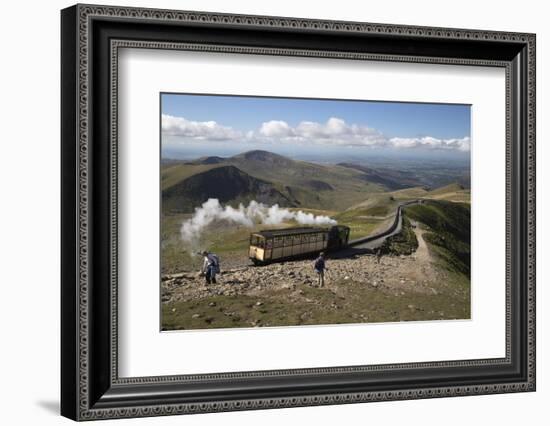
(260,242)
(287,241)
(305,239)
(269,244)
(296,240)
(277,242)
(254,240)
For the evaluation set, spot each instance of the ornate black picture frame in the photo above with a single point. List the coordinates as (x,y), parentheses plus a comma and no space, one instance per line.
(91,37)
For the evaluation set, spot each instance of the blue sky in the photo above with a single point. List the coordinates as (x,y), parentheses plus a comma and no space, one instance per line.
(236,123)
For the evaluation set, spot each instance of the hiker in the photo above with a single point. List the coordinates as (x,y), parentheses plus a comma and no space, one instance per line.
(378,255)
(320,267)
(210,267)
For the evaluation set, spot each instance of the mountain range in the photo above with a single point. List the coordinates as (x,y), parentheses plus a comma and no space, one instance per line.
(275,179)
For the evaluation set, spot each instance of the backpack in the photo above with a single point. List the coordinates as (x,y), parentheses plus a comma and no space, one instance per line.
(319,264)
(215,262)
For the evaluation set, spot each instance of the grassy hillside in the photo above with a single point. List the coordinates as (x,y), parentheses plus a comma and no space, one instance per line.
(174,173)
(374,215)
(454,187)
(286,171)
(449,231)
(227,184)
(306,184)
(409,193)
(391,181)
(402,173)
(378,200)
(453,192)
(345,193)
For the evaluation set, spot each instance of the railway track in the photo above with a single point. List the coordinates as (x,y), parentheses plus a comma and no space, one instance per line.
(365,245)
(373,242)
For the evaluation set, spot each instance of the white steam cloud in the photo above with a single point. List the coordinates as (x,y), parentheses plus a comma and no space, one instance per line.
(250,215)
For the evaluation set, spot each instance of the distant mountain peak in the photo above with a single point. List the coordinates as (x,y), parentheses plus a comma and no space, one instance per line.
(213,160)
(261,155)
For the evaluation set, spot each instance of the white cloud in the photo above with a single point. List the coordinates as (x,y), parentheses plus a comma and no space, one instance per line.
(462,144)
(275,129)
(335,131)
(200,130)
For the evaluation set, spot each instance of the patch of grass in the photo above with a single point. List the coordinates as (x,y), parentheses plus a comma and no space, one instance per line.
(453,254)
(444,216)
(453,187)
(449,231)
(453,192)
(360,228)
(361,222)
(353,303)
(409,193)
(378,211)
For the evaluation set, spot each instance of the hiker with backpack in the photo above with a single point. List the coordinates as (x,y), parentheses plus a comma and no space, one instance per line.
(320,267)
(210,267)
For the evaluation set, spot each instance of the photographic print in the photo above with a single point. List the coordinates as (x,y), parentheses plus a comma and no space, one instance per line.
(297,212)
(258,183)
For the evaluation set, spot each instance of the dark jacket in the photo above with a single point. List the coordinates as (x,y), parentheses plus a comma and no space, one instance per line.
(319,264)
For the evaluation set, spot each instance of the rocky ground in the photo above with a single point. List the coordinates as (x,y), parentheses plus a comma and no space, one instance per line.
(357,288)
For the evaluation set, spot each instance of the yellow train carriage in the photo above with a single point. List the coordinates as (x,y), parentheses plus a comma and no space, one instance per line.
(282,244)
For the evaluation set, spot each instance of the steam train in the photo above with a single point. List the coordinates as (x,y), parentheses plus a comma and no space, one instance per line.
(277,245)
